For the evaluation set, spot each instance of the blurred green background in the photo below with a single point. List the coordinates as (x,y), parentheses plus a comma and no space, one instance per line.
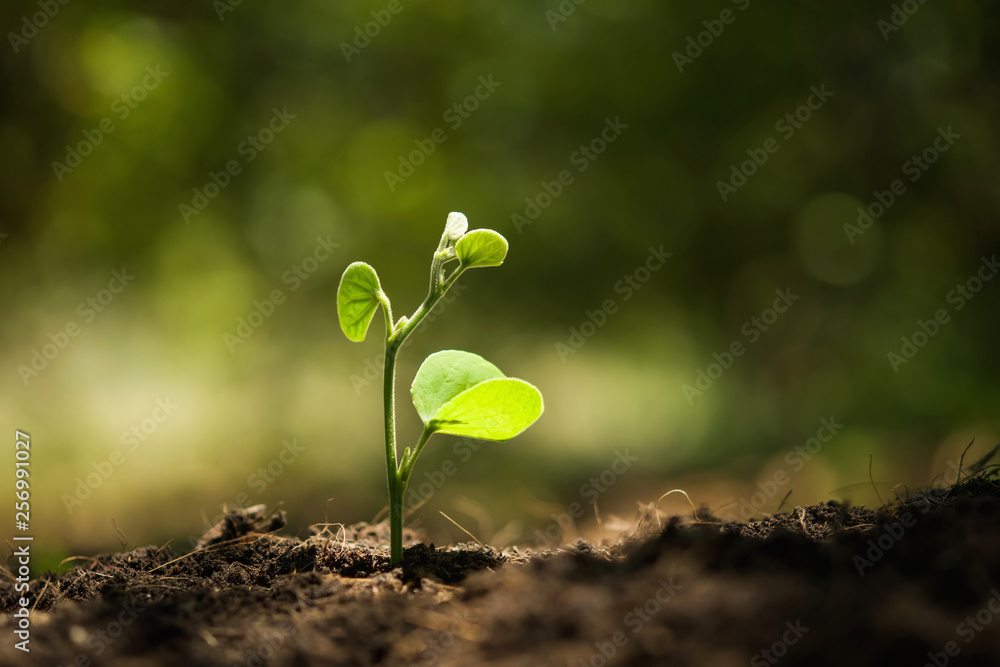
(115,118)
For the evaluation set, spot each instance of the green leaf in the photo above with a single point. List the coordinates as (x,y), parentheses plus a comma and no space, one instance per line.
(492,410)
(446,374)
(463,394)
(481,247)
(357,300)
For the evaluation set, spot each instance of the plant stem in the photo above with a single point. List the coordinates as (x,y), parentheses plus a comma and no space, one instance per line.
(395,499)
(398,473)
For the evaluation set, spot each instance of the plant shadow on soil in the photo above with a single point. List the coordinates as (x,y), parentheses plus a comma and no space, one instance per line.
(912,583)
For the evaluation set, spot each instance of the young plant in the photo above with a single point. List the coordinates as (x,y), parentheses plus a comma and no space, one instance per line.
(454,392)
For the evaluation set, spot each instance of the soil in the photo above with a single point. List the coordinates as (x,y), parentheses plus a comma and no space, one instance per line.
(913,583)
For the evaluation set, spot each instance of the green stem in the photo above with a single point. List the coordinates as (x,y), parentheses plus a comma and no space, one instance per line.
(398,473)
(395,501)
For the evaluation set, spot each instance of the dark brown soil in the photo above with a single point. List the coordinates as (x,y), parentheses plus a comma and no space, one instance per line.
(913,584)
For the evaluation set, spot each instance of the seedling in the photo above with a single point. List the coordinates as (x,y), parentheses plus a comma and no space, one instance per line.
(454,392)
